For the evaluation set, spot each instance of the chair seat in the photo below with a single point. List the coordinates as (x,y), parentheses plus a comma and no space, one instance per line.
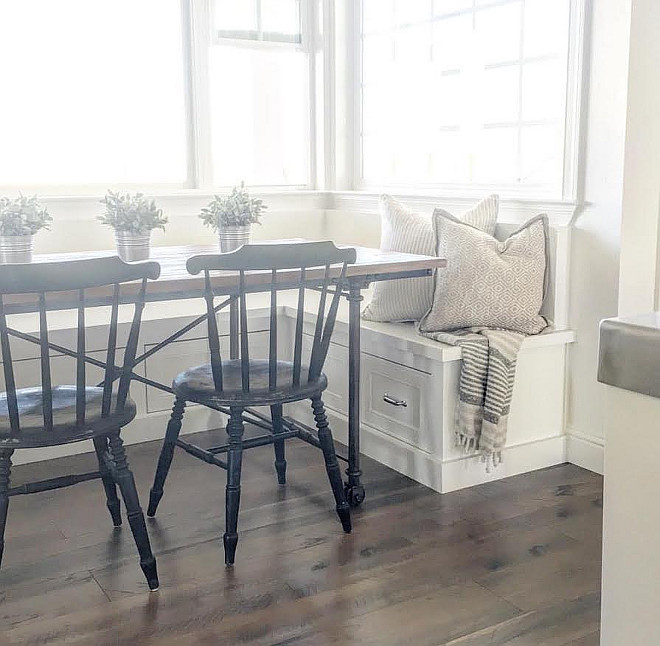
(196,385)
(65,429)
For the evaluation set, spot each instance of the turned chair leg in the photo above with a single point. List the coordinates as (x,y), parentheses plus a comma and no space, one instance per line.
(280,451)
(112,500)
(166,454)
(331,463)
(233,490)
(124,478)
(5,470)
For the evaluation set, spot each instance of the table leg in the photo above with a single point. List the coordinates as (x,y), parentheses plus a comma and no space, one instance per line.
(354,489)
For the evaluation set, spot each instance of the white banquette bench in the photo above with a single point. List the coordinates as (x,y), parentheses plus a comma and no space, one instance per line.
(416,440)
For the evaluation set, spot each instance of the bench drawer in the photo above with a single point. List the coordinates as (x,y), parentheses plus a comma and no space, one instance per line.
(395,400)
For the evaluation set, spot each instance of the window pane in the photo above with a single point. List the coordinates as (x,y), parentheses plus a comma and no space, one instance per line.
(446,7)
(377,15)
(451,41)
(281,16)
(93,92)
(411,11)
(543,90)
(542,154)
(448,90)
(450,158)
(498,33)
(496,156)
(546,27)
(260,116)
(500,88)
(239,15)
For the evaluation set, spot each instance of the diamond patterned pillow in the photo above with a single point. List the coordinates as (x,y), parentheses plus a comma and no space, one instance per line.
(408,232)
(488,283)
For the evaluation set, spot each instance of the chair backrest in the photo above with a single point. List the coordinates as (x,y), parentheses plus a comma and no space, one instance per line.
(318,266)
(32,285)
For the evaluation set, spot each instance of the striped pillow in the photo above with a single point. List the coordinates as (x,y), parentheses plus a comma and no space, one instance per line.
(409,299)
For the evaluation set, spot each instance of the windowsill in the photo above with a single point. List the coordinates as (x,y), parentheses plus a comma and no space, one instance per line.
(513,209)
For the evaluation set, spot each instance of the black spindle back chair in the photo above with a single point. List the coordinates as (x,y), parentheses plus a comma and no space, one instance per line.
(52,414)
(240,381)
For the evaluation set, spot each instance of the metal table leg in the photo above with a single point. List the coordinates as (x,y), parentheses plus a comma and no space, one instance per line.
(354,489)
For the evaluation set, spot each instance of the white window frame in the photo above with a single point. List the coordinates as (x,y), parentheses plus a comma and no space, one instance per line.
(197,39)
(572,120)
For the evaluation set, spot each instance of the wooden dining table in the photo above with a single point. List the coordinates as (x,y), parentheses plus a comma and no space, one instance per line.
(175,283)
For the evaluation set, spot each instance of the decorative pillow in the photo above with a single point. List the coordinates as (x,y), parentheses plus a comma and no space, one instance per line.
(402,230)
(488,283)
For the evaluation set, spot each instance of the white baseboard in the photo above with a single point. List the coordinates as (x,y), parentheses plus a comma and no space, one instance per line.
(445,475)
(586,451)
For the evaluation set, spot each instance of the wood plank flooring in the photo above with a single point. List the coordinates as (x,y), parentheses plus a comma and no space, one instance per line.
(511,563)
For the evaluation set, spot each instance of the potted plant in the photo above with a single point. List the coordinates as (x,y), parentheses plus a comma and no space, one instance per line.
(20,219)
(133,217)
(232,216)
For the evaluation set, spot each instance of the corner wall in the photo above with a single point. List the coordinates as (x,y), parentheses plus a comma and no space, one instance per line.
(596,235)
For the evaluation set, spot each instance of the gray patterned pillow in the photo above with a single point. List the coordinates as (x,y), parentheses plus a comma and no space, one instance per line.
(408,232)
(488,283)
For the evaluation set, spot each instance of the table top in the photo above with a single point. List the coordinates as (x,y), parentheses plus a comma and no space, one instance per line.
(175,282)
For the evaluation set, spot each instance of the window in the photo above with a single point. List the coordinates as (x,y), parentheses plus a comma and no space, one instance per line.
(260,87)
(93,93)
(464,92)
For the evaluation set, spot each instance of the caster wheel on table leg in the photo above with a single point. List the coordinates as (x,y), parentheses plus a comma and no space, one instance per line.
(354,495)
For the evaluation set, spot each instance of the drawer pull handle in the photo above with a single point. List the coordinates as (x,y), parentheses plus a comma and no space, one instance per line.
(395,402)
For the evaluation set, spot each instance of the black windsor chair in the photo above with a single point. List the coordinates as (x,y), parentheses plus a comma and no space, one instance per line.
(51,414)
(234,384)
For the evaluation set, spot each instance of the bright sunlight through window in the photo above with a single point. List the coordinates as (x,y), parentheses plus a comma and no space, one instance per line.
(464,92)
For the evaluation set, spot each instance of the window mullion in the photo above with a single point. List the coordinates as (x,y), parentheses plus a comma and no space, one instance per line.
(200,25)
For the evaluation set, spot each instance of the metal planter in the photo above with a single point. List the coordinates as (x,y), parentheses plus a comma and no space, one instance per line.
(133,247)
(16,249)
(231,238)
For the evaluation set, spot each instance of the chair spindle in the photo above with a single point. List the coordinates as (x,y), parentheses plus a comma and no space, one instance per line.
(80,361)
(300,318)
(109,376)
(8,369)
(46,385)
(272,354)
(245,349)
(214,340)
(131,348)
(320,317)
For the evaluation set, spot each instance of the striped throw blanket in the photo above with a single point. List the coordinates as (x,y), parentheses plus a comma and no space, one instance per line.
(486,383)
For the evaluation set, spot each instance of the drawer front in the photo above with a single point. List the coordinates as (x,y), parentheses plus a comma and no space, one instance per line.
(395,400)
(181,355)
(385,388)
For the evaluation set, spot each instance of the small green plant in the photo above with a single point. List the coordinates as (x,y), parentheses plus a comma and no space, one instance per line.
(237,209)
(132,213)
(22,216)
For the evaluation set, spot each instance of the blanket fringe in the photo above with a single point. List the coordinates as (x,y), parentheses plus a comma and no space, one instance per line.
(467,443)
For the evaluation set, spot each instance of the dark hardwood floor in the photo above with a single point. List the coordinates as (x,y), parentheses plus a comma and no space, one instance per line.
(514,562)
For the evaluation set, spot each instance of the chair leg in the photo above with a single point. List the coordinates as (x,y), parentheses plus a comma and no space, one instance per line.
(166,454)
(280,451)
(5,470)
(124,478)
(233,490)
(112,500)
(331,463)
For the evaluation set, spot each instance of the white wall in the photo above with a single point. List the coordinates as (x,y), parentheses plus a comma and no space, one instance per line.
(596,236)
(75,227)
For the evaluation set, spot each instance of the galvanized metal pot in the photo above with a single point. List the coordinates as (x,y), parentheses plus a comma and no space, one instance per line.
(16,249)
(231,238)
(132,247)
